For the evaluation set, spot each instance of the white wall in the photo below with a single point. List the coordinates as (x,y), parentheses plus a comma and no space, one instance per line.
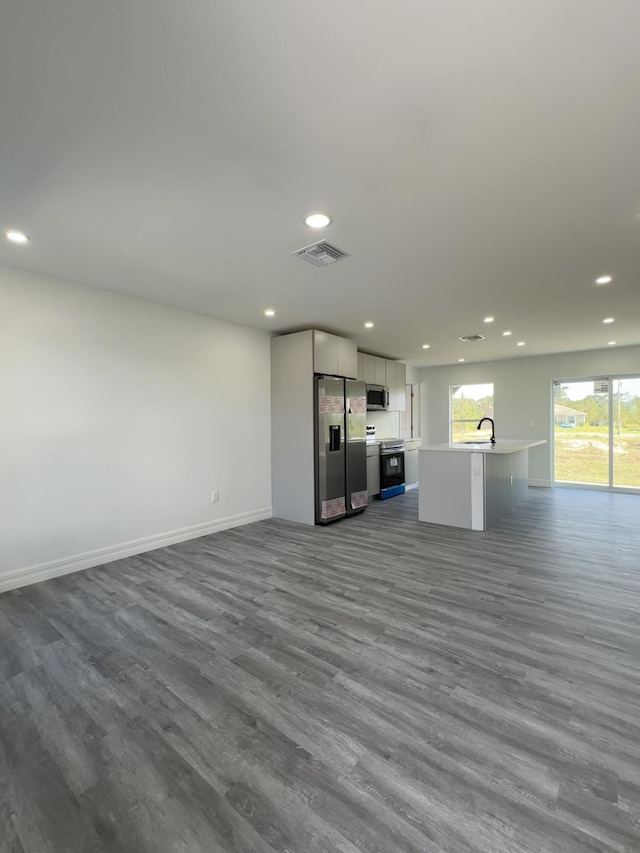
(118,419)
(413,375)
(387,424)
(522,393)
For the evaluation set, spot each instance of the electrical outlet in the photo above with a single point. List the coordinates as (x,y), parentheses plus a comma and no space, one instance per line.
(215,497)
(530,424)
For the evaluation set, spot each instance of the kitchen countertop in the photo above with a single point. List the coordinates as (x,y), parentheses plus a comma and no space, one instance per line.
(502,445)
(409,443)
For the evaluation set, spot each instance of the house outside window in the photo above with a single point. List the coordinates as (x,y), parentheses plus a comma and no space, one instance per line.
(564,416)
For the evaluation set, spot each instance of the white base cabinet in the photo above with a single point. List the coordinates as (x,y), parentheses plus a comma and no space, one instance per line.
(473,487)
(373,471)
(410,466)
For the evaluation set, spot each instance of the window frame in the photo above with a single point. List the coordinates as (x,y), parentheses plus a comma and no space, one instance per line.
(453,389)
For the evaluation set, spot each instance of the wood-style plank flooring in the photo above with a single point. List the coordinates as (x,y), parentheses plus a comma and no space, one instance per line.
(378,685)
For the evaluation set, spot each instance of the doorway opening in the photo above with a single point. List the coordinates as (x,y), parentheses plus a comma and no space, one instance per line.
(596,432)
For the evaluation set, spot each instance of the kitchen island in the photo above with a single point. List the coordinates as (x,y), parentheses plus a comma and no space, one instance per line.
(473,485)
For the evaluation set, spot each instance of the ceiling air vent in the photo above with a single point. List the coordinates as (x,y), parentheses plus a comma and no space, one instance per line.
(321,254)
(471,338)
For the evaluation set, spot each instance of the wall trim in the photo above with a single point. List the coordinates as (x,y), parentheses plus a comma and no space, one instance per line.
(87,560)
(541,484)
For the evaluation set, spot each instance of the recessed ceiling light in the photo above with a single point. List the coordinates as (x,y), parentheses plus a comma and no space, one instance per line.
(604,279)
(520,343)
(506,334)
(368,325)
(317,220)
(269,312)
(16,237)
(612,343)
(489,319)
(608,320)
(426,346)
(461,359)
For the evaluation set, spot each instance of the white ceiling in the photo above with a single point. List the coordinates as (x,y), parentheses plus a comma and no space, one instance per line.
(476,157)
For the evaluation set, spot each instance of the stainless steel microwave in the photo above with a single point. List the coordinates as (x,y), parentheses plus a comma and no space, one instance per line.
(377,398)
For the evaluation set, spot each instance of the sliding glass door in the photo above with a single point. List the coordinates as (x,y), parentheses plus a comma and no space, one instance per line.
(625,421)
(596,430)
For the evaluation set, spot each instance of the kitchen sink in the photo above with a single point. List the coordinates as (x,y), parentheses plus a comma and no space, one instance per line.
(488,441)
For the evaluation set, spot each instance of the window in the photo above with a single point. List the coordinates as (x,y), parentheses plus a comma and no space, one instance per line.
(468,404)
(596,435)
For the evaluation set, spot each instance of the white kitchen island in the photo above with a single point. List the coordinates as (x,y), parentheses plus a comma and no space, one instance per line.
(473,485)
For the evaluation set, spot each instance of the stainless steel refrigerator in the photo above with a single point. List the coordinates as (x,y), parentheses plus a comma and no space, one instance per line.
(340,447)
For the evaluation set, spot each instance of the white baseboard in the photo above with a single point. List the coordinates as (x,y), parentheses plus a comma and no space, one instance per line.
(408,488)
(541,484)
(89,559)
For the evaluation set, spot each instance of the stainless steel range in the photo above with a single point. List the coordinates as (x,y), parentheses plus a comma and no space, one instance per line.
(391,468)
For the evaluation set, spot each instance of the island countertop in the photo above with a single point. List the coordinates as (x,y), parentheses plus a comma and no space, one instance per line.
(502,445)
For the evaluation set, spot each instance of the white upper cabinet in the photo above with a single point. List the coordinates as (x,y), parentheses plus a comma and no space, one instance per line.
(325,353)
(347,358)
(334,356)
(369,368)
(396,378)
(391,379)
(374,369)
(391,374)
(401,385)
(380,370)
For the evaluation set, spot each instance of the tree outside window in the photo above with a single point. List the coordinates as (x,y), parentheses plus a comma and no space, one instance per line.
(468,404)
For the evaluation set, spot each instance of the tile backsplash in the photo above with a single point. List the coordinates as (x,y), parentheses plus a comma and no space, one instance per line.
(387,424)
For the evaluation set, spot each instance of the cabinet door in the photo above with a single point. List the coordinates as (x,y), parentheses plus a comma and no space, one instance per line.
(369,368)
(347,358)
(361,367)
(413,404)
(373,475)
(391,383)
(325,353)
(401,388)
(411,466)
(380,370)
(396,375)
(410,418)
(405,417)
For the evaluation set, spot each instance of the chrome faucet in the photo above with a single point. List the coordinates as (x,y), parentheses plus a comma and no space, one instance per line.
(493,428)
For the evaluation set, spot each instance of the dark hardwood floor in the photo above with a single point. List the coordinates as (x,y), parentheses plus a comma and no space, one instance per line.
(378,685)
